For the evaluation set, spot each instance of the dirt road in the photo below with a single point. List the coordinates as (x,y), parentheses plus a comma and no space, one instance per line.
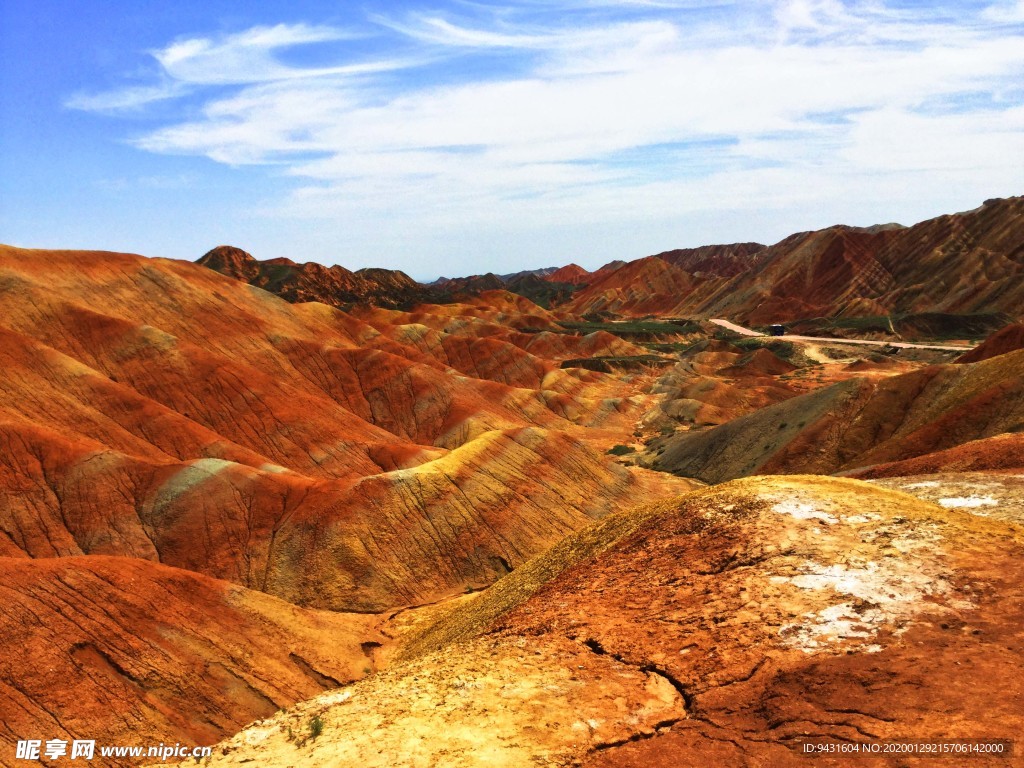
(823,339)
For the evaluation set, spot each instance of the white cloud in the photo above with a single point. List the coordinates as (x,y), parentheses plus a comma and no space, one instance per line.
(130,98)
(635,109)
(1008,12)
(248,57)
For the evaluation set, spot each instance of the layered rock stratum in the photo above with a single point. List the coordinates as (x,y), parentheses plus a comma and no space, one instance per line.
(127,652)
(144,399)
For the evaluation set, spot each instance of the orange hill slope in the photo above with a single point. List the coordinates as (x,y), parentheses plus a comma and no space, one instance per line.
(1001,453)
(157,409)
(391,539)
(649,286)
(573,274)
(175,443)
(715,260)
(305,386)
(1005,340)
(961,263)
(726,627)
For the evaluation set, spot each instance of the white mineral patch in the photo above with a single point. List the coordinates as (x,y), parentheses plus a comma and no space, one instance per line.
(824,627)
(924,484)
(257,735)
(803,512)
(887,594)
(874,583)
(866,517)
(187,478)
(968,502)
(335,697)
(276,469)
(212,466)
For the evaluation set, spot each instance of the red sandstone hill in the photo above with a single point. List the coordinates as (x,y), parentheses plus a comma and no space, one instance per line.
(1008,339)
(601,273)
(157,409)
(715,260)
(333,285)
(203,442)
(1001,453)
(126,651)
(573,274)
(727,627)
(962,263)
(648,286)
(190,465)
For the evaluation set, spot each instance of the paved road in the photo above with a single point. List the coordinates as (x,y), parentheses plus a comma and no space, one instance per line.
(822,339)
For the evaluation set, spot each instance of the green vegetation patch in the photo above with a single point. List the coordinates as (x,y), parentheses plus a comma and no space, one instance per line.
(316,726)
(606,364)
(652,329)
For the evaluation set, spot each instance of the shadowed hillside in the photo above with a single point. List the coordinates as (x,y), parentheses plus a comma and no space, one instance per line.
(716,260)
(334,285)
(859,422)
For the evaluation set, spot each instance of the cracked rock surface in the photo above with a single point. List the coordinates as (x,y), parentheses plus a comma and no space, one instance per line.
(727,626)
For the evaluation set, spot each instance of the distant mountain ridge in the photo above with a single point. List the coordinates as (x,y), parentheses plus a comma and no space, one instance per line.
(715,260)
(310,281)
(960,263)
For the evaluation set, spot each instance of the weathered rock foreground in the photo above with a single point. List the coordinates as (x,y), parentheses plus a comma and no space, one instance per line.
(127,651)
(727,626)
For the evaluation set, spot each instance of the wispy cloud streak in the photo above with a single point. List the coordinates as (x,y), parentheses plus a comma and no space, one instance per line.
(586,108)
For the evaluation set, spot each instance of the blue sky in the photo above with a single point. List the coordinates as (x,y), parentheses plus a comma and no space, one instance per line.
(461,137)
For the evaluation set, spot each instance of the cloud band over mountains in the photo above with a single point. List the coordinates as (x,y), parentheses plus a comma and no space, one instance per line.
(539,111)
